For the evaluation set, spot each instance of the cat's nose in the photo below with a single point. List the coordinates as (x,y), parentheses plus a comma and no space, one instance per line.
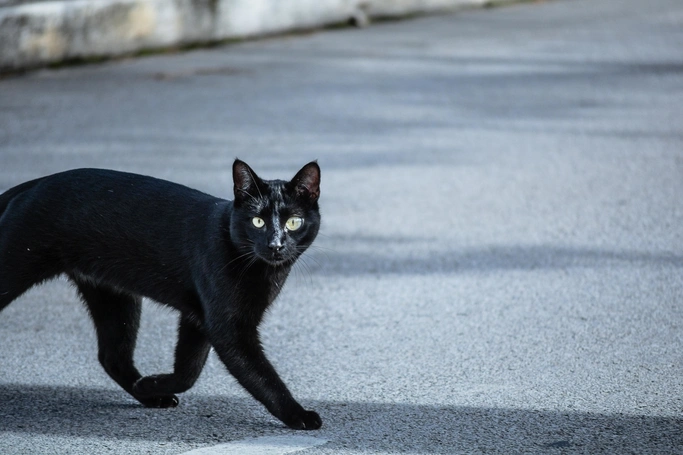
(275,245)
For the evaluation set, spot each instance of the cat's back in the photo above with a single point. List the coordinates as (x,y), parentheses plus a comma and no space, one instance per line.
(85,216)
(105,186)
(99,181)
(105,196)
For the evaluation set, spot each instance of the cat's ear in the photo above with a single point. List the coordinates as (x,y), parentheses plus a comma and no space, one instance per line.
(246,181)
(306,182)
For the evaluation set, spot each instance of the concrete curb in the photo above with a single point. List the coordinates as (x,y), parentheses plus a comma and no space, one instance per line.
(34,34)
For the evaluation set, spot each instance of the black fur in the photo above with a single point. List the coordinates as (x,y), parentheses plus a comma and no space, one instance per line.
(122,236)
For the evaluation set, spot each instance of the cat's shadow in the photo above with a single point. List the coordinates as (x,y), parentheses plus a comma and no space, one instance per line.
(374,427)
(88,412)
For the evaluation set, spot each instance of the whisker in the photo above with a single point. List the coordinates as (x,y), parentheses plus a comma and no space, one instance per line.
(235,259)
(245,243)
(308,257)
(320,248)
(303,270)
(251,262)
(312,255)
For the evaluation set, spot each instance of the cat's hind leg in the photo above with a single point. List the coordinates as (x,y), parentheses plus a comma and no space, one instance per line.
(9,292)
(190,356)
(21,263)
(19,272)
(116,316)
(10,289)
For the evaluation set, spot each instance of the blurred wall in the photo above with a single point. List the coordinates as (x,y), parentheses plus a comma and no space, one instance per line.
(40,33)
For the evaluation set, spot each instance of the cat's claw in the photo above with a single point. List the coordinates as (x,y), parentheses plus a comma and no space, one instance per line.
(305,420)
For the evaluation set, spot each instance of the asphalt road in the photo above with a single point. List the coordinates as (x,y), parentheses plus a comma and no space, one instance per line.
(501,264)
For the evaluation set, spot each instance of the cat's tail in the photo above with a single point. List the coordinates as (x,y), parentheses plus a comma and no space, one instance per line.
(9,195)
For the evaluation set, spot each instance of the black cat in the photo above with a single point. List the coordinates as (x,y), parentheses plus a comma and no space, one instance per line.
(221,263)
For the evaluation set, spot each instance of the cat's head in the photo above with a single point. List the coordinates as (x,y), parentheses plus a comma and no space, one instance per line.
(275,220)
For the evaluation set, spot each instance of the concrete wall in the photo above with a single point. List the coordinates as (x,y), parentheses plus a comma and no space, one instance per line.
(39,33)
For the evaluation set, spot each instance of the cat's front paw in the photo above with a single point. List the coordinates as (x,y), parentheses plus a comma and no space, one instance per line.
(149,386)
(303,420)
(146,391)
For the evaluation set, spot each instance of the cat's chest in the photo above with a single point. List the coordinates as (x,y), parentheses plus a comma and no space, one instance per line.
(258,287)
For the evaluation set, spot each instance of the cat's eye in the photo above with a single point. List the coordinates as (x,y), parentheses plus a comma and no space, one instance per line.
(294,223)
(258,222)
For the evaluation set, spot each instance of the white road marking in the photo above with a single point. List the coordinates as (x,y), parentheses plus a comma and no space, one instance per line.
(266,445)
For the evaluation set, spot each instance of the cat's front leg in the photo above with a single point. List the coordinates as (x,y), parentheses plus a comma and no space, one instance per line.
(241,352)
(191,352)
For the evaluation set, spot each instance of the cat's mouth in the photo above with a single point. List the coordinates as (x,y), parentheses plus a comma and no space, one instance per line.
(276,258)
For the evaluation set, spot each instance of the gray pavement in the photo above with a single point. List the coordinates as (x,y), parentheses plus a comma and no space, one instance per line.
(501,264)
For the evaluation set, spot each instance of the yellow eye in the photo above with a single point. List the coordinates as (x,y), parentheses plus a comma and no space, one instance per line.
(258,222)
(294,223)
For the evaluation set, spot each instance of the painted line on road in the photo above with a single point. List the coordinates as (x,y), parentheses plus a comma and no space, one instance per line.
(266,445)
